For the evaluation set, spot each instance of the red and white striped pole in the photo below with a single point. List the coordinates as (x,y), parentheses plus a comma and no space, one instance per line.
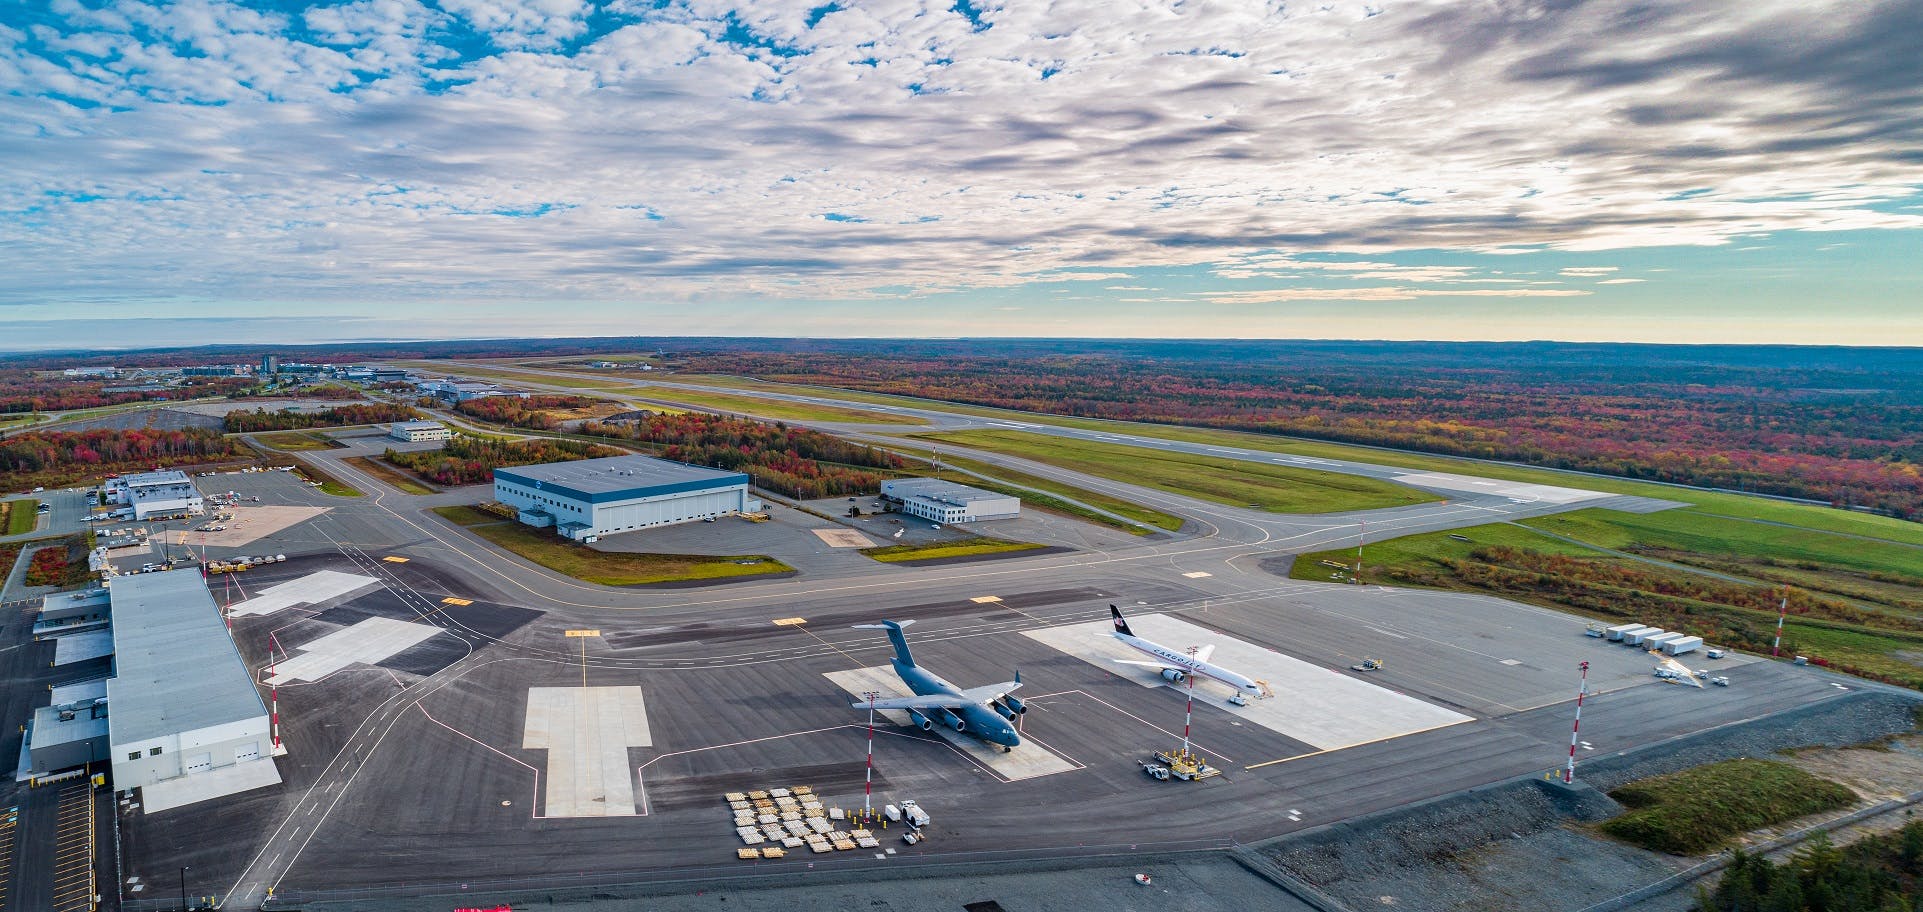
(1188,712)
(1569,774)
(868,783)
(1776,648)
(273,688)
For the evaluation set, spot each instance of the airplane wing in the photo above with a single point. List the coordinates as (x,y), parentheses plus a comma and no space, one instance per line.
(1202,653)
(1146,664)
(989,692)
(928,701)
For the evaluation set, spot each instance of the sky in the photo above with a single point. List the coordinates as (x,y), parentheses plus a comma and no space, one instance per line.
(1630,170)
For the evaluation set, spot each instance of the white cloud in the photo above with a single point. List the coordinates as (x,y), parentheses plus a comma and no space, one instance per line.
(1381,293)
(373,151)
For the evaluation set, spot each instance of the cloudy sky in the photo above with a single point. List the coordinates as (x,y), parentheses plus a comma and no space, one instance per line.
(1654,170)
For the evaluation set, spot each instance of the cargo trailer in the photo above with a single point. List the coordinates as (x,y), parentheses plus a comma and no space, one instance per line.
(1686,644)
(1615,633)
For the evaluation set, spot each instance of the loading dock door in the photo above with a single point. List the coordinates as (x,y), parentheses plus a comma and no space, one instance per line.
(246,752)
(199,763)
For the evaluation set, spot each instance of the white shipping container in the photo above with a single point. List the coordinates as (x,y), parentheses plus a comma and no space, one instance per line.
(1686,644)
(1637,637)
(1616,632)
(1658,641)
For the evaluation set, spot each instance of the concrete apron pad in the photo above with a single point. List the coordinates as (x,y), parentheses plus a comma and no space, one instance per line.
(249,525)
(843,538)
(369,642)
(587,732)
(1320,707)
(1469,484)
(311,589)
(1027,761)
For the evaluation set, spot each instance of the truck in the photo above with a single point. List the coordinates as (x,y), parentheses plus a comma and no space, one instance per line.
(1679,646)
(1186,766)
(1596,630)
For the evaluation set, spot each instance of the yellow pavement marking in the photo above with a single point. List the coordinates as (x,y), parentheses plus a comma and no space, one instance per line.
(985,599)
(584,633)
(451,600)
(790,622)
(395,560)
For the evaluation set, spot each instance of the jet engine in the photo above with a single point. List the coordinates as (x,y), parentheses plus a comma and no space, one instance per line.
(1174,676)
(954,721)
(1018,706)
(922,722)
(1002,711)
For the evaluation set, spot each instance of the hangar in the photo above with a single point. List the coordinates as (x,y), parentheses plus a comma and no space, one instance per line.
(151,494)
(185,721)
(594,497)
(417,431)
(948,502)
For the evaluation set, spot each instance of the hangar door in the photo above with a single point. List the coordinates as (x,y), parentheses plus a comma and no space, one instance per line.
(246,752)
(199,763)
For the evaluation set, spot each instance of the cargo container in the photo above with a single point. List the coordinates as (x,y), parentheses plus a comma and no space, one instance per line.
(1616,633)
(1678,647)
(1657,642)
(1636,637)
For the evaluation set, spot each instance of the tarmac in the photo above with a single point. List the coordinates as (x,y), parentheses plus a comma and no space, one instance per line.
(436,766)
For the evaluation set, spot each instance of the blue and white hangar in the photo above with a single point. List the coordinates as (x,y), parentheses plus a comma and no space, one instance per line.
(590,498)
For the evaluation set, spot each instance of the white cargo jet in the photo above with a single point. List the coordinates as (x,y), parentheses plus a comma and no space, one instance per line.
(1177,665)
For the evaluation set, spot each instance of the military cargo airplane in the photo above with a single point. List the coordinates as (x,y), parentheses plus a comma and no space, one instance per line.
(983,712)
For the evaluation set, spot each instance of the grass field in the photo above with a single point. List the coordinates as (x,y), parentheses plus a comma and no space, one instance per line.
(328,483)
(604,567)
(894,554)
(775,409)
(1166,521)
(395,478)
(1281,489)
(298,441)
(1697,532)
(1699,810)
(20,516)
(1736,506)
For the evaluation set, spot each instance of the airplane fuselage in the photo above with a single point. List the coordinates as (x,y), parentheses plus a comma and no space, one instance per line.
(1189,664)
(978,720)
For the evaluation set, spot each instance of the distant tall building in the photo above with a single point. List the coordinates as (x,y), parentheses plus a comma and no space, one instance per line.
(270,364)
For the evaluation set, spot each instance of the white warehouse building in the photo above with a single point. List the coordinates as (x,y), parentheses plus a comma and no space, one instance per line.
(185,721)
(594,497)
(417,431)
(947,502)
(150,494)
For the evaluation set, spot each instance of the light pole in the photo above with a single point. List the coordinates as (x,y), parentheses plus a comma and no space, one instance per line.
(1188,712)
(183,888)
(868,783)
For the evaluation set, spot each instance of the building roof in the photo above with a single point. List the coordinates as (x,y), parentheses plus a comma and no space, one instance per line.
(940,491)
(165,477)
(615,478)
(176,668)
(417,426)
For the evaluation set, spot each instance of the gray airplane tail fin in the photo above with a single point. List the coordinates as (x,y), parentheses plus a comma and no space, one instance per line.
(894,636)
(1121,626)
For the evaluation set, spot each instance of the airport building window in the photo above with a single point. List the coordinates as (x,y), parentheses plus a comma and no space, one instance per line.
(133,755)
(153,752)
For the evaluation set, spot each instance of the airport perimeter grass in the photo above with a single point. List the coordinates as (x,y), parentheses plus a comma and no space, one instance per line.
(1279,489)
(512,376)
(22,516)
(970,547)
(394,477)
(306,470)
(297,441)
(1699,810)
(607,568)
(1008,480)
(776,409)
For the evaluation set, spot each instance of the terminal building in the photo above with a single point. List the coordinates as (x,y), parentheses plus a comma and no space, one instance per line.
(417,431)
(947,502)
(595,497)
(179,717)
(154,494)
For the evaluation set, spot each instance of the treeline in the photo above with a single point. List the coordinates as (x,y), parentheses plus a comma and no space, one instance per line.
(247,422)
(793,461)
(319,391)
(472,460)
(532,412)
(61,457)
(20,391)
(1814,426)
(1881,873)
